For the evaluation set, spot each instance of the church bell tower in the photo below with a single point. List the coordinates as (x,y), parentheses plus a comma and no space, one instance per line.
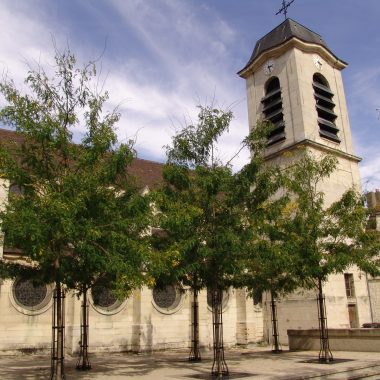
(294,80)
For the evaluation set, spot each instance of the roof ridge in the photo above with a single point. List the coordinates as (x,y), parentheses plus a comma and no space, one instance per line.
(312,31)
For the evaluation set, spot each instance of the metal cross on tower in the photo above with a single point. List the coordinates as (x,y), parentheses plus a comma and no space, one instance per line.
(284,9)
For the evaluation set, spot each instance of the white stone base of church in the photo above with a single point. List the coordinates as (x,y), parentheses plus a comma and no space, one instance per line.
(137,324)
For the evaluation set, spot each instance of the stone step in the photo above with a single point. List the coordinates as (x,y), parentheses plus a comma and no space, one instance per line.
(371,372)
(366,373)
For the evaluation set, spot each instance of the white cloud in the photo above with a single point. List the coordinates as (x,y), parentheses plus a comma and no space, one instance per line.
(370,172)
(364,91)
(193,56)
(185,63)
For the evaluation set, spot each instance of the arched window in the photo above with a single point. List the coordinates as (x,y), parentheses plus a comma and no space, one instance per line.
(272,109)
(325,108)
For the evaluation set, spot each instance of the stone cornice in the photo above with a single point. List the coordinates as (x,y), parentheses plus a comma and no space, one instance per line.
(283,48)
(317,146)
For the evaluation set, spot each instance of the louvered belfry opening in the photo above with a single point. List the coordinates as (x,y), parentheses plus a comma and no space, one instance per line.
(325,108)
(272,109)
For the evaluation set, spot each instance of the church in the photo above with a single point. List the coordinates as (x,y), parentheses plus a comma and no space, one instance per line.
(292,79)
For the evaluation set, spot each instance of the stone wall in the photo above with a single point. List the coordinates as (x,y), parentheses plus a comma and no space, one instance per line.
(136,324)
(358,340)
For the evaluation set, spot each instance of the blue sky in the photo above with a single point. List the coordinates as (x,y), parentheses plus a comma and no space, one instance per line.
(163,57)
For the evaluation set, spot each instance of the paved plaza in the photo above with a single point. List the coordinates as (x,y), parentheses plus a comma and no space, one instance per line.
(244,363)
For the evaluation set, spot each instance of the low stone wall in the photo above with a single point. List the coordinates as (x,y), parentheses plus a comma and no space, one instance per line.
(340,340)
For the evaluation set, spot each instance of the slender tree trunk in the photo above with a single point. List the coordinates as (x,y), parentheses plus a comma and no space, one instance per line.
(219,366)
(325,354)
(58,340)
(195,355)
(276,343)
(83,361)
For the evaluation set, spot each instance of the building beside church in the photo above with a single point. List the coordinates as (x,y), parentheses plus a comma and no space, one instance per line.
(373,202)
(294,80)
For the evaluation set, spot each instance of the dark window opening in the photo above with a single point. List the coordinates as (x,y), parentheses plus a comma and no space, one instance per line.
(273,112)
(325,108)
(15,189)
(257,298)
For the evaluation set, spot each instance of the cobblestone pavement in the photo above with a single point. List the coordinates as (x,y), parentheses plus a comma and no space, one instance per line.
(249,363)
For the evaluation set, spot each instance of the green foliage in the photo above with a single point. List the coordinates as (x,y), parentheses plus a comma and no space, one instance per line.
(325,239)
(79,215)
(195,214)
(206,210)
(195,145)
(296,239)
(265,266)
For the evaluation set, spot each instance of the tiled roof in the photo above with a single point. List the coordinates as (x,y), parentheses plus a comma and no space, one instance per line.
(147,173)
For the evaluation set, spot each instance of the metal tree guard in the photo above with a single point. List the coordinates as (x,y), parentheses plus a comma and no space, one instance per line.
(276,343)
(195,354)
(83,362)
(57,371)
(325,354)
(219,366)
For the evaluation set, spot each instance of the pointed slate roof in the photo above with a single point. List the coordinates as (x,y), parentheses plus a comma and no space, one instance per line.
(282,33)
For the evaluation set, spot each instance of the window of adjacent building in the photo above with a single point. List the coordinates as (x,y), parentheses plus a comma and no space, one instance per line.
(257,298)
(353,316)
(349,283)
(272,110)
(325,108)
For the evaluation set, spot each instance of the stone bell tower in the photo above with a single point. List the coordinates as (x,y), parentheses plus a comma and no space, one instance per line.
(294,80)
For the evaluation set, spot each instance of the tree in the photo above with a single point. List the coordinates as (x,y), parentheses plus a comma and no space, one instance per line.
(78,215)
(265,262)
(203,213)
(198,218)
(268,265)
(325,239)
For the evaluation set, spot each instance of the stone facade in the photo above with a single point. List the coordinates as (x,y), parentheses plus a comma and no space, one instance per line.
(137,324)
(358,340)
(373,201)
